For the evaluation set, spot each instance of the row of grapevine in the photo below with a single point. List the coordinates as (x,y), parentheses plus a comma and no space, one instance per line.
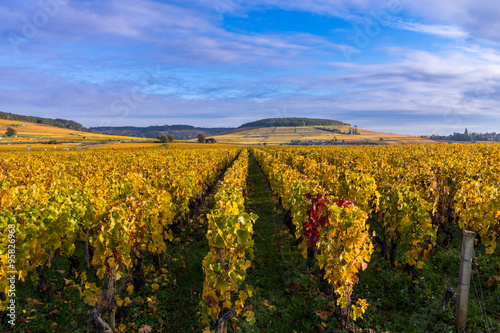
(406,221)
(121,204)
(229,235)
(414,193)
(333,228)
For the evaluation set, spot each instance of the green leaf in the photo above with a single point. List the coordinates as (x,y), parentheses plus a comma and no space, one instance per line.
(222,285)
(243,235)
(250,290)
(219,242)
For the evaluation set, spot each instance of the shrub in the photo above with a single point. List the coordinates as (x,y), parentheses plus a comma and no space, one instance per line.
(10,131)
(162,138)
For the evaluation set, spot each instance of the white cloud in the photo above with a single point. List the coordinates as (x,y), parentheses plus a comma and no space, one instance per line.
(432,29)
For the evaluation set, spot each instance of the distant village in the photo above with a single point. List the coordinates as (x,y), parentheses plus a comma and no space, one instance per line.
(468,137)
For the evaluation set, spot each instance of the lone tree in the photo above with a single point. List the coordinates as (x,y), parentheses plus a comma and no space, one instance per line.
(162,138)
(10,131)
(170,138)
(201,138)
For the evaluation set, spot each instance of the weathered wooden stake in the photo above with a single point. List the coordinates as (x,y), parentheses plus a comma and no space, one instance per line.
(464,278)
(112,323)
(86,248)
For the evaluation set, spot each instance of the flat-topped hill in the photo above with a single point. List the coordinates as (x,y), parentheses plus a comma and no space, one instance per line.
(311,135)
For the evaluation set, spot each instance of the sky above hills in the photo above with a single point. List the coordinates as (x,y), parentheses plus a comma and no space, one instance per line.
(401,66)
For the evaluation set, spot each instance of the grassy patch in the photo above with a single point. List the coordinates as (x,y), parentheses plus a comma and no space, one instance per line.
(288,291)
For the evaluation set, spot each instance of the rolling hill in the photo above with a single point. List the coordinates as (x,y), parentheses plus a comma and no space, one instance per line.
(336,134)
(38,136)
(293,122)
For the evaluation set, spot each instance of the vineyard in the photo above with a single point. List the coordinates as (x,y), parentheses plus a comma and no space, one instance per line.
(224,238)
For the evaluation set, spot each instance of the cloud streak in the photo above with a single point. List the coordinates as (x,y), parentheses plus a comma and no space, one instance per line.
(438,30)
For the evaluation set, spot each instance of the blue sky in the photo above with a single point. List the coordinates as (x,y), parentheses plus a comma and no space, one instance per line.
(400,66)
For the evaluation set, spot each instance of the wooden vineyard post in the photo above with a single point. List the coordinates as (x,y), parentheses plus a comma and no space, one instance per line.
(464,277)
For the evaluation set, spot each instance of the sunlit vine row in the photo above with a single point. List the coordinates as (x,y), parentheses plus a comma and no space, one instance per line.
(333,228)
(229,235)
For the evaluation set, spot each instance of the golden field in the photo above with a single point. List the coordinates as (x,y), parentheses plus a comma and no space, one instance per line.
(284,135)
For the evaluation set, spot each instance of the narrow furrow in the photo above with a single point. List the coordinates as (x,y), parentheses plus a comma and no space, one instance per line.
(287,291)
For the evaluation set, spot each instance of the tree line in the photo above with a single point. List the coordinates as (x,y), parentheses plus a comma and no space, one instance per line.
(293,122)
(58,122)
